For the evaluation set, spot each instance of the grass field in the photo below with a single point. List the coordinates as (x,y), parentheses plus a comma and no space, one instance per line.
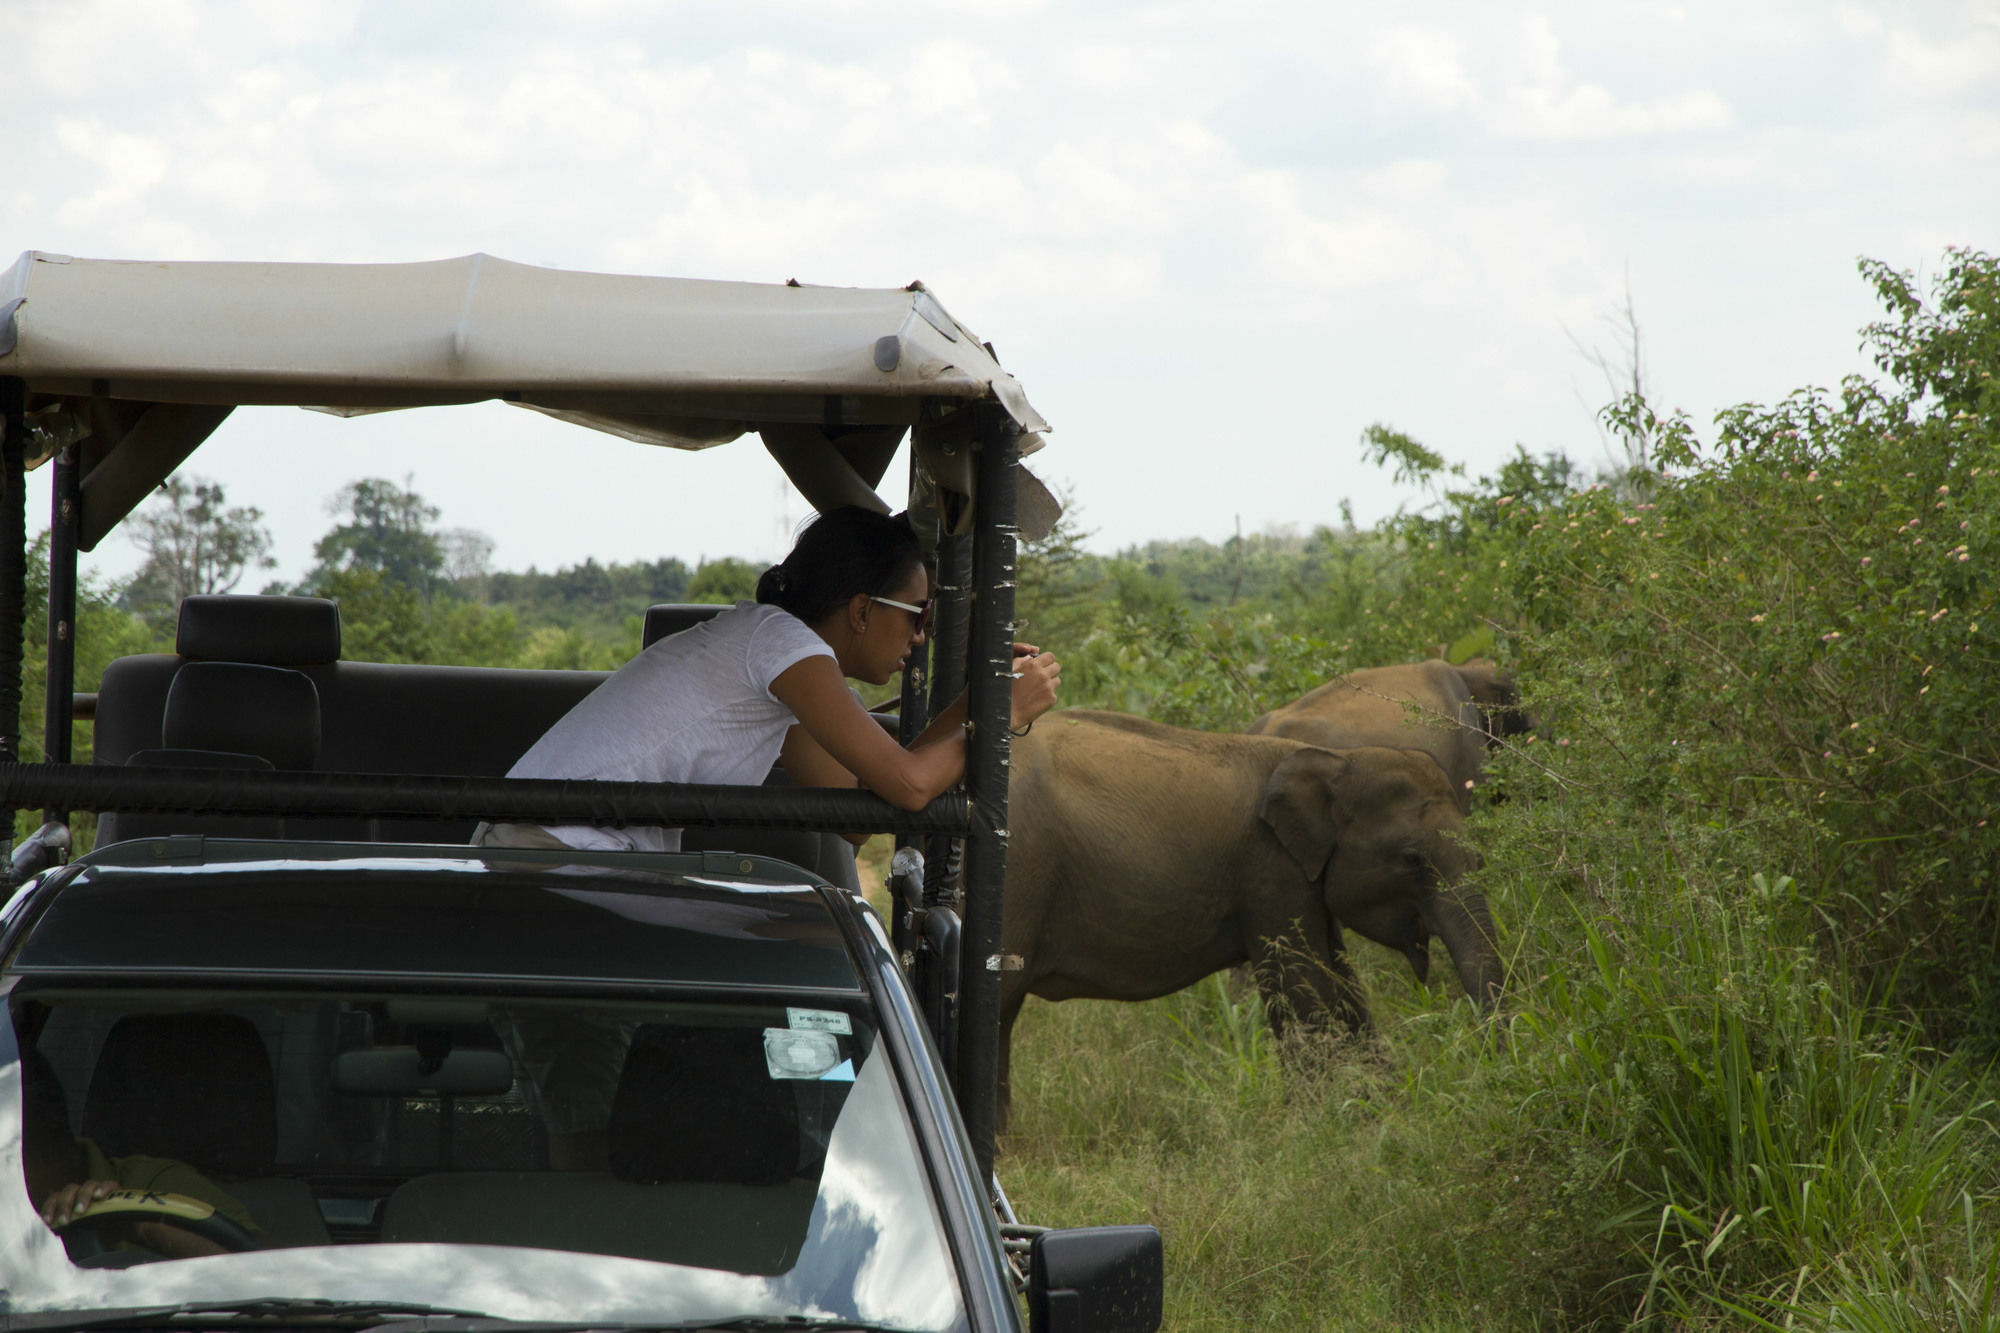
(1680,1127)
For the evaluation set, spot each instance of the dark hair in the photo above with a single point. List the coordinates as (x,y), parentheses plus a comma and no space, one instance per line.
(845,551)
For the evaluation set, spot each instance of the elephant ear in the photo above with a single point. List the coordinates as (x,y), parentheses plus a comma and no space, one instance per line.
(1301,804)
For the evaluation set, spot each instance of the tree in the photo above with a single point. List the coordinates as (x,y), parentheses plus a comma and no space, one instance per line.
(468,560)
(194,543)
(1624,374)
(390,531)
(380,620)
(725,580)
(1059,593)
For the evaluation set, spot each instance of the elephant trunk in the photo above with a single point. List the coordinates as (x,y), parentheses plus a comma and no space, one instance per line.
(1459,918)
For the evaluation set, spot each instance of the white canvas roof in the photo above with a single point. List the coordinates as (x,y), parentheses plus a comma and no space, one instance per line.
(145,359)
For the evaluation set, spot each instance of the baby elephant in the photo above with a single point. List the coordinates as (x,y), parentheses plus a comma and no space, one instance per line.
(1143,857)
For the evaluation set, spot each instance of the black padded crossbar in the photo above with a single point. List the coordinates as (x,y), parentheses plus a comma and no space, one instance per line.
(502,800)
(276,631)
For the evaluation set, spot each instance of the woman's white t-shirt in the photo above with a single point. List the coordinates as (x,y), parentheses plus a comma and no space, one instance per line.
(695,707)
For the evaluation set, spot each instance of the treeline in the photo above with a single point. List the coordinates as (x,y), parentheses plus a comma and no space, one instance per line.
(412,590)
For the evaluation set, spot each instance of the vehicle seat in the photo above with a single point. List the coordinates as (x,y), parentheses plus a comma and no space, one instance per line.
(704,1148)
(228,715)
(666,618)
(198,1088)
(698,1103)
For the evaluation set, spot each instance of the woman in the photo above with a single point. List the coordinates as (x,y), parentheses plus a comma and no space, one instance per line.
(718,703)
(765,681)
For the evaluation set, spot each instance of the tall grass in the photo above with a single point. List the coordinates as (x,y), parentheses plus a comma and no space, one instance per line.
(1686,1127)
(1340,1194)
(1747,1133)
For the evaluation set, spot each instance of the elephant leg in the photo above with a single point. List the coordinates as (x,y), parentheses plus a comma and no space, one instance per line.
(1010,1009)
(1306,979)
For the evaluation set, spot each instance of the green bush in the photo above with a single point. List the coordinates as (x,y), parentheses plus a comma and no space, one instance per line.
(1744,874)
(1793,642)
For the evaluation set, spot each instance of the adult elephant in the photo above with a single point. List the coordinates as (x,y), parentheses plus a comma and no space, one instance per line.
(1143,857)
(1453,713)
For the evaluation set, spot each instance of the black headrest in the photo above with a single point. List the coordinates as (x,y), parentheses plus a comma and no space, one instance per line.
(699,1104)
(673,617)
(277,631)
(194,1087)
(243,709)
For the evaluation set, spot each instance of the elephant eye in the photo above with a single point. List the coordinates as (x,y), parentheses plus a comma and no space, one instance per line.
(1415,860)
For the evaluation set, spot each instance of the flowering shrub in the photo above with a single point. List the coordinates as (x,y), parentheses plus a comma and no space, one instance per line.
(1794,636)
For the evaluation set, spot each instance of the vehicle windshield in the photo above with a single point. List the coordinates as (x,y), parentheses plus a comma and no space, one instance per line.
(520,1156)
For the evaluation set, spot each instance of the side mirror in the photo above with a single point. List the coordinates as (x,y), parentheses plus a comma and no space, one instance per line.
(1096,1280)
(938,981)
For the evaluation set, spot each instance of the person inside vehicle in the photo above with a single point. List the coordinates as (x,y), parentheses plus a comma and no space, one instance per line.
(717,703)
(66,1175)
(766,680)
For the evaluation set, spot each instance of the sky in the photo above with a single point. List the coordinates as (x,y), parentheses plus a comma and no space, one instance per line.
(1214,241)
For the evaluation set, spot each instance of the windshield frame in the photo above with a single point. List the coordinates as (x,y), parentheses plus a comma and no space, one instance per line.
(945,1144)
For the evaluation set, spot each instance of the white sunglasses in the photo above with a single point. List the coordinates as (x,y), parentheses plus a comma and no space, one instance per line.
(921,610)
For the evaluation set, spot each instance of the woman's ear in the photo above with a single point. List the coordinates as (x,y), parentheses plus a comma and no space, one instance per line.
(857,612)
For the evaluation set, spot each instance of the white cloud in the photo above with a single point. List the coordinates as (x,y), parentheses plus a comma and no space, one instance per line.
(1540,100)
(1121,196)
(1722,167)
(1426,65)
(1589,111)
(1855,21)
(117,170)
(1950,66)
(1326,250)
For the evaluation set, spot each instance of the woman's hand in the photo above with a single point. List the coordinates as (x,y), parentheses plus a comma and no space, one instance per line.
(1036,676)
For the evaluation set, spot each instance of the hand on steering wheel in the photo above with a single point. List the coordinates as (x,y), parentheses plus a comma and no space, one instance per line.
(173,1226)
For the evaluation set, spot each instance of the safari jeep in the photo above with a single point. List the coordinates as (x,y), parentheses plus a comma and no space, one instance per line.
(331,1056)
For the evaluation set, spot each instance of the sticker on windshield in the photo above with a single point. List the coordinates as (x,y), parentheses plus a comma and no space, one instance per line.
(793,1054)
(819,1020)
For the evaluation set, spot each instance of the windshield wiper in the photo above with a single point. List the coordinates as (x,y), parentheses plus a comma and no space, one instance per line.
(270,1311)
(761,1323)
(775,1323)
(399,1317)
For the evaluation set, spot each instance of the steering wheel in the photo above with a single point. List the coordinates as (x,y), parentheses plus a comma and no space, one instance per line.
(84,1235)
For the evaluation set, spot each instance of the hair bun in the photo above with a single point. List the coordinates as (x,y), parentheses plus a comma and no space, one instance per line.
(778,580)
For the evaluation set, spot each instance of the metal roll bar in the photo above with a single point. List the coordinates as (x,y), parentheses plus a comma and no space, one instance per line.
(972,649)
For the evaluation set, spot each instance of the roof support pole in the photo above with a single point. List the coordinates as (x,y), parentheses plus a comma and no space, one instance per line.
(914,711)
(912,716)
(13,559)
(989,707)
(59,705)
(953,601)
